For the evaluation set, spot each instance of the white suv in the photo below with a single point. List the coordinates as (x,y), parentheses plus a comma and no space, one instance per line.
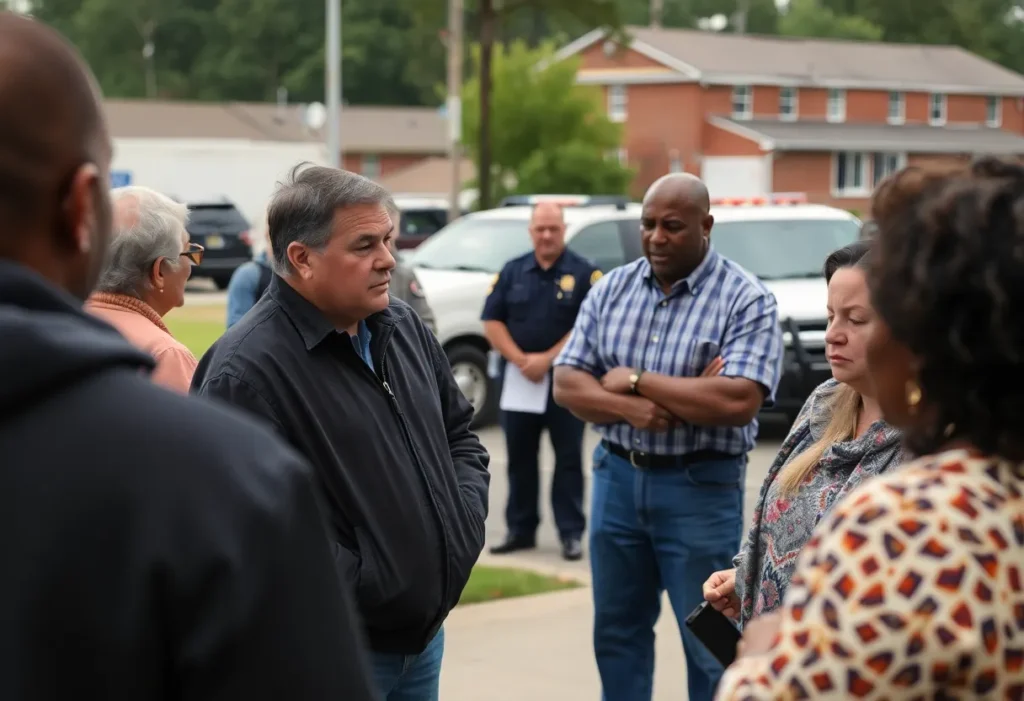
(784,245)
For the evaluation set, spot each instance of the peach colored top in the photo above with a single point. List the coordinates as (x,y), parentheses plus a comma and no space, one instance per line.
(144,329)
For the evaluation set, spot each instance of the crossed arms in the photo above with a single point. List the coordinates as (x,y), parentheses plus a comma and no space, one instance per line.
(661,402)
(729,392)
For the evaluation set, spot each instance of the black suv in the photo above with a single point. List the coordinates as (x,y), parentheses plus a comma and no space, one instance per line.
(221,229)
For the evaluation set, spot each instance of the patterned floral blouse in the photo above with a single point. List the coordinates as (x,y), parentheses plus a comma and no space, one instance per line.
(913,588)
(783,524)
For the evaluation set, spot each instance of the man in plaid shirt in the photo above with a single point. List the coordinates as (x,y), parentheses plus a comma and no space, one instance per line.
(671,357)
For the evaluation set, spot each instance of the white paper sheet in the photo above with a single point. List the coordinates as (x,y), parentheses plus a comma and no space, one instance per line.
(519,394)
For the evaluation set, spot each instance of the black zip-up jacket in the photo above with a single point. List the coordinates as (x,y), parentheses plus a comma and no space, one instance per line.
(154,546)
(404,478)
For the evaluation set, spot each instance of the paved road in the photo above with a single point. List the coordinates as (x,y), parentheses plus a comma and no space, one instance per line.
(548,554)
(540,647)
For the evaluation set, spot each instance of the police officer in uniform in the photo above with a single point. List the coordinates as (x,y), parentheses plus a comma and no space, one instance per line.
(528,316)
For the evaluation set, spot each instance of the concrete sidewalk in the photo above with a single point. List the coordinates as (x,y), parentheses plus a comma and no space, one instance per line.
(539,647)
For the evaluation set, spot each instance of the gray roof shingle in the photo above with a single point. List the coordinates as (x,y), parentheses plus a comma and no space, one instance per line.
(909,138)
(411,130)
(730,58)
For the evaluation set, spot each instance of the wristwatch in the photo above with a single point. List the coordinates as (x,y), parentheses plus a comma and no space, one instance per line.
(634,378)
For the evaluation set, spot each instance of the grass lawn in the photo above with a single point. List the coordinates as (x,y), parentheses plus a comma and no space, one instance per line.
(493,583)
(197,325)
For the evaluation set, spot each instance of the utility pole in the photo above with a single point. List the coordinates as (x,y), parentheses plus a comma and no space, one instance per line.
(334,83)
(454,104)
(657,10)
(742,11)
(148,54)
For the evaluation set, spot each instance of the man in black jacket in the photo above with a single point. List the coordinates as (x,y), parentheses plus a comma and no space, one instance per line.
(358,383)
(154,546)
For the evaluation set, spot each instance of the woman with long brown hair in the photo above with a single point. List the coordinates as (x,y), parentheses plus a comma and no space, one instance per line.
(837,441)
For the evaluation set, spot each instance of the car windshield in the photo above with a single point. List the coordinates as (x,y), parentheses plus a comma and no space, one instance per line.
(476,244)
(221,217)
(785,248)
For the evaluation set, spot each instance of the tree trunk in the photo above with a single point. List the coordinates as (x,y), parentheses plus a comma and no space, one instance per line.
(488,22)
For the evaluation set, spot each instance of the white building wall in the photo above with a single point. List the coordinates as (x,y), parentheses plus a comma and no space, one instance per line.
(737,176)
(246,172)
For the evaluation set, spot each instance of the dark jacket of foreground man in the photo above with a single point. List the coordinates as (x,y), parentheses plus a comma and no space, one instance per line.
(405,480)
(153,546)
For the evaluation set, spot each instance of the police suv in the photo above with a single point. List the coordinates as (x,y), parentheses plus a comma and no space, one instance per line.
(780,238)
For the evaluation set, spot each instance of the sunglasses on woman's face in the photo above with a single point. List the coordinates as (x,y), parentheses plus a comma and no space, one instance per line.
(194,253)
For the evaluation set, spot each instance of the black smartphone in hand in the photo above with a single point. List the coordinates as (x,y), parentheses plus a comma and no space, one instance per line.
(714,629)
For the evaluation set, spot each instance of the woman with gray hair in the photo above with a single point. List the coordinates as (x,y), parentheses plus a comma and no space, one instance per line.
(149,261)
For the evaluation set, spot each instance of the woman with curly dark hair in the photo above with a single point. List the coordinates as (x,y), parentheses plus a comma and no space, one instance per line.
(913,587)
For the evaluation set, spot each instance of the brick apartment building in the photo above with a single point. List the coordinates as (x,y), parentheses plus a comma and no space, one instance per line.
(754,115)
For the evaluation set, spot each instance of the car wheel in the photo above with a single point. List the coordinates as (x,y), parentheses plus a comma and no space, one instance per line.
(222,281)
(469,366)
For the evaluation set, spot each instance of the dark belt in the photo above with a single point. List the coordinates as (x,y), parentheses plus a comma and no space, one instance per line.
(647,461)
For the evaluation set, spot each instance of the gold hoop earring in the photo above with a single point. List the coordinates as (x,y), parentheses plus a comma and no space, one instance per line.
(913,392)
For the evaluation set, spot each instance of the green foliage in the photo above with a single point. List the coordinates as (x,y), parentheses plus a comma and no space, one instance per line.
(549,135)
(981,26)
(806,18)
(394,52)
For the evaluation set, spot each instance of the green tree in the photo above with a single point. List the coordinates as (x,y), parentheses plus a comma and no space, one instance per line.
(113,34)
(491,14)
(263,45)
(985,27)
(807,18)
(248,49)
(550,135)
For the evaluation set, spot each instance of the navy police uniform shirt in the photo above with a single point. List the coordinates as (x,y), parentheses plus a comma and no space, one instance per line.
(539,306)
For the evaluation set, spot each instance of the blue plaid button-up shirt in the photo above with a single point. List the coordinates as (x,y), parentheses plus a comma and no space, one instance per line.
(720,309)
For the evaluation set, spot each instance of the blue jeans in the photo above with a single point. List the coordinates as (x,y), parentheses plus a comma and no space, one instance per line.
(410,677)
(651,531)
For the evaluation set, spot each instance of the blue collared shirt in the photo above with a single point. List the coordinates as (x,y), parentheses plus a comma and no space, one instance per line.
(244,289)
(361,341)
(720,309)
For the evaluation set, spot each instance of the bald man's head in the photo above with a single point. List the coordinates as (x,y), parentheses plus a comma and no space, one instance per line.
(54,157)
(676,223)
(547,231)
(682,187)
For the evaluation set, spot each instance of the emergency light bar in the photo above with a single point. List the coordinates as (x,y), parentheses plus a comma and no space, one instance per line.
(565,200)
(776,198)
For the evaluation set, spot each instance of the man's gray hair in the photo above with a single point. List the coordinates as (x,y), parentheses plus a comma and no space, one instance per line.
(303,208)
(147,226)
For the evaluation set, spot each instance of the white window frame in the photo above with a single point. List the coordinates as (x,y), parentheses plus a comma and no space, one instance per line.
(995,101)
(944,109)
(618,103)
(900,162)
(835,105)
(901,100)
(789,96)
(864,189)
(742,94)
(369,166)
